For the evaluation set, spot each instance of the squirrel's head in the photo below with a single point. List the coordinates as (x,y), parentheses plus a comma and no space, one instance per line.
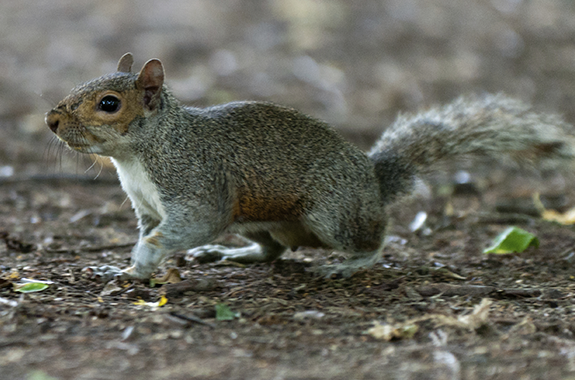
(97,116)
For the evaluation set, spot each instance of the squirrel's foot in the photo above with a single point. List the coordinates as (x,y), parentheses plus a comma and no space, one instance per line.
(208,253)
(107,273)
(349,267)
(245,255)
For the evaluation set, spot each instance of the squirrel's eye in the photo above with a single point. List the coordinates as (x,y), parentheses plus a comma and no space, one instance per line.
(109,104)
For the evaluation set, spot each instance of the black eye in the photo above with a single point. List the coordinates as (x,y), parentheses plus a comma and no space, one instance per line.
(109,104)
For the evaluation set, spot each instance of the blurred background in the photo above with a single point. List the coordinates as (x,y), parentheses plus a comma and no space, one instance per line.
(355,64)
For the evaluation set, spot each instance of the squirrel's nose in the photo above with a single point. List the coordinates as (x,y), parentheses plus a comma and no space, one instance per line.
(52,120)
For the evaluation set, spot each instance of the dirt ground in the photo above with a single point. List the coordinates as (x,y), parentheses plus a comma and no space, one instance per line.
(293,324)
(446,310)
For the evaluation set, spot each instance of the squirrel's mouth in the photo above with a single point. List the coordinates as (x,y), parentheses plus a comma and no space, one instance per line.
(80,147)
(84,147)
(80,142)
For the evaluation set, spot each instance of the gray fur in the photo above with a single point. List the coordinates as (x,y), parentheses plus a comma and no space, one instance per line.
(284,179)
(492,126)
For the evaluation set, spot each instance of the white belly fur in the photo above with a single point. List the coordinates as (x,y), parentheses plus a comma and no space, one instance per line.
(142,192)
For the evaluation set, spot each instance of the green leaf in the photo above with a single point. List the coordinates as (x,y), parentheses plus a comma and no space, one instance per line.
(513,240)
(224,313)
(40,375)
(30,287)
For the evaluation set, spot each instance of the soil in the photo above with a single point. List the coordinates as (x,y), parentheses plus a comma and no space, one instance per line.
(291,323)
(434,307)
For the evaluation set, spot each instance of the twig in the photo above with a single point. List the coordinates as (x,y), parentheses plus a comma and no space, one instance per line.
(504,218)
(192,318)
(90,249)
(191,285)
(455,290)
(521,292)
(449,290)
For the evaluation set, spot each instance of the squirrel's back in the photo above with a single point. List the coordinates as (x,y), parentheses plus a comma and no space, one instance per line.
(274,160)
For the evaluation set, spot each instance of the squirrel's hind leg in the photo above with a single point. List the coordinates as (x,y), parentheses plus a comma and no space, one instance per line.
(264,249)
(361,232)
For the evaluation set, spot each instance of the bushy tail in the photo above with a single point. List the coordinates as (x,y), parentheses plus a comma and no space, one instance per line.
(488,126)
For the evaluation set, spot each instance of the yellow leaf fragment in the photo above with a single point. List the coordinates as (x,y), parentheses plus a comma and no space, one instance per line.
(154,305)
(566,218)
(388,332)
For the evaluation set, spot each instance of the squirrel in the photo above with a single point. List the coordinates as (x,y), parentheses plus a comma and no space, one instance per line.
(272,174)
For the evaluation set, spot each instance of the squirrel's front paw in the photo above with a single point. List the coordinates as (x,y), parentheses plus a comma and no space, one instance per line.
(107,273)
(208,253)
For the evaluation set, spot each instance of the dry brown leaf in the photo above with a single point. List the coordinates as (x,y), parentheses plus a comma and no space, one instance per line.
(172,276)
(407,329)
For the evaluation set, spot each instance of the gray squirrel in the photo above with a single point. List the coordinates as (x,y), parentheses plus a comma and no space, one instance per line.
(272,174)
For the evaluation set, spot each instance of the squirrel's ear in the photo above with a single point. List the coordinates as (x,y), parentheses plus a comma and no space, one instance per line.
(150,80)
(125,63)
